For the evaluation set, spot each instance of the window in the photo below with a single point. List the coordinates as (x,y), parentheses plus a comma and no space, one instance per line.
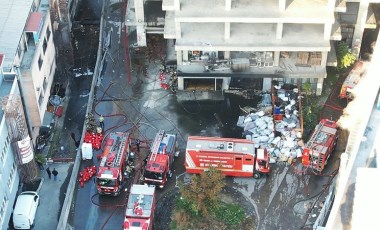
(3,208)
(19,52)
(44,84)
(2,157)
(44,45)
(48,32)
(40,100)
(11,176)
(5,148)
(40,61)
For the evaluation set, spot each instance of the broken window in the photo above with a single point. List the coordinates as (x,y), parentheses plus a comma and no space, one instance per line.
(315,58)
(302,58)
(44,46)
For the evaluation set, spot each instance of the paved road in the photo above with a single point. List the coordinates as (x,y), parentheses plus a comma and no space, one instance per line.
(280,201)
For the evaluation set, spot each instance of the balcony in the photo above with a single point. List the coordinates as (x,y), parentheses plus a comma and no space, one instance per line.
(291,64)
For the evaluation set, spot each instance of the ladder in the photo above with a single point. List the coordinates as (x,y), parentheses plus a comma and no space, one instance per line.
(120,151)
(156,144)
(314,136)
(320,165)
(309,145)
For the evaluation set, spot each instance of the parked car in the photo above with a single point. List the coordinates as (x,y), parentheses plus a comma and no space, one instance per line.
(25,210)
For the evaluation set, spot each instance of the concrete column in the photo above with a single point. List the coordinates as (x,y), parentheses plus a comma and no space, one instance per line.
(276,58)
(179,57)
(327,31)
(178,30)
(227,30)
(226,83)
(185,55)
(181,83)
(140,23)
(324,58)
(227,54)
(319,86)
(177,6)
(228,5)
(282,5)
(331,5)
(279,30)
(359,27)
(267,84)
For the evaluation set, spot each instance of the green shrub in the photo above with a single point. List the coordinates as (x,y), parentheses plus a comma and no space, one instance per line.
(344,56)
(230,214)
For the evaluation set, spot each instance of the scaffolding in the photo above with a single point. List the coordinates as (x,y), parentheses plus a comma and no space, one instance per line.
(21,142)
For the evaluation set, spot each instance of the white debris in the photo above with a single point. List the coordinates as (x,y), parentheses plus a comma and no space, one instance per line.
(280,135)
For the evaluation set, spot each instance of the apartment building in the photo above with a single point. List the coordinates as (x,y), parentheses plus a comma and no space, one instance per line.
(218,41)
(27,67)
(29,54)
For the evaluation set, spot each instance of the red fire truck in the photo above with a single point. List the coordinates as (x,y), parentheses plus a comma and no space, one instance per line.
(139,214)
(115,157)
(352,80)
(159,163)
(234,157)
(320,146)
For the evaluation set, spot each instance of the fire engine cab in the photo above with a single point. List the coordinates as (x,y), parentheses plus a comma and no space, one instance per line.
(352,80)
(320,145)
(234,157)
(110,176)
(159,163)
(139,214)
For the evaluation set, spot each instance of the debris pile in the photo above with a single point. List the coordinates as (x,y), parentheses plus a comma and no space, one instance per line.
(280,132)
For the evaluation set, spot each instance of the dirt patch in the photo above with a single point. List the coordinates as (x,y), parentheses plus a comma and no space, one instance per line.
(32,186)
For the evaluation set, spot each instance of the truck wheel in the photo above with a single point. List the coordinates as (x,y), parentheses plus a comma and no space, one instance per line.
(257,175)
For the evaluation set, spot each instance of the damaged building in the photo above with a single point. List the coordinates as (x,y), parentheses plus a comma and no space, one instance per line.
(218,44)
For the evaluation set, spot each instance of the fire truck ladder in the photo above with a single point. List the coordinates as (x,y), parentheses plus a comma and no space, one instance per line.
(120,151)
(156,144)
(310,143)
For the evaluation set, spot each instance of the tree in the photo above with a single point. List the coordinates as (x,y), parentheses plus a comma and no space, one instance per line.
(202,193)
(344,56)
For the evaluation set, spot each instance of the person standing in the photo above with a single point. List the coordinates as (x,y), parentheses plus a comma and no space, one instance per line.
(55,174)
(137,143)
(101,122)
(48,172)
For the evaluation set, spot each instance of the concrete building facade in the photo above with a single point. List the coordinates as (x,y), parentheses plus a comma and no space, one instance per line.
(29,56)
(27,67)
(263,40)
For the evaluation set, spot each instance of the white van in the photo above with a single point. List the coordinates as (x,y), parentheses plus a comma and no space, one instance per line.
(25,210)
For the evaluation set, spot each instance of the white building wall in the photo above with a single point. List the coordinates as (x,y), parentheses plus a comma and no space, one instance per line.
(37,81)
(9,176)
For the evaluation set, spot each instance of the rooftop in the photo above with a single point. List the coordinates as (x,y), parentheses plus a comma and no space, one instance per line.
(13,15)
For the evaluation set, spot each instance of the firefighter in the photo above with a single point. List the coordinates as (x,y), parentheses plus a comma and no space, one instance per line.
(137,143)
(101,122)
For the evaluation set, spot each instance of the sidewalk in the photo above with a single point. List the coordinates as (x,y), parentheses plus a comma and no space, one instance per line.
(51,197)
(52,193)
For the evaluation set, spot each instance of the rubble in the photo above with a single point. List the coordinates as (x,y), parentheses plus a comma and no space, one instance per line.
(280,132)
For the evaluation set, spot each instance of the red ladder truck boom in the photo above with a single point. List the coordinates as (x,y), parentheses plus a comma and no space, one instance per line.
(234,157)
(320,145)
(115,155)
(159,163)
